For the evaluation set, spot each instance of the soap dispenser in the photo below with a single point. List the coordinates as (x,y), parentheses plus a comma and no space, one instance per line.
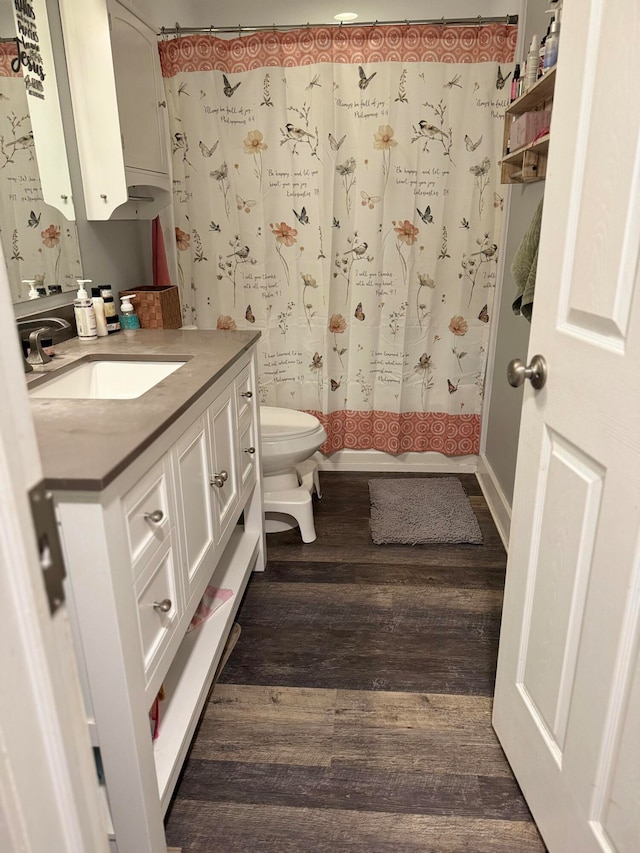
(128,317)
(33,293)
(84,313)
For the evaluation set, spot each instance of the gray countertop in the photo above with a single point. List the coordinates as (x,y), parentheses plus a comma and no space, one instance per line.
(85,444)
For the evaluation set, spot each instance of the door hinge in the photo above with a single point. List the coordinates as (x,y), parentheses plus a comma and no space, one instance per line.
(49,548)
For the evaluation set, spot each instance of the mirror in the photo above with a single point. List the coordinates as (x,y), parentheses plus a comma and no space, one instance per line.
(39,242)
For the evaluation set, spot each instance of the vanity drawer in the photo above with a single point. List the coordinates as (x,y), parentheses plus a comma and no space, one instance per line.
(158,605)
(245,395)
(147,513)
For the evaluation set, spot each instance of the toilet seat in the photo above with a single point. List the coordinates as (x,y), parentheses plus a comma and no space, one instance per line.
(277,424)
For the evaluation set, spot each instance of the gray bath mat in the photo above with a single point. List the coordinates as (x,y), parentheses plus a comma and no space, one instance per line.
(421,511)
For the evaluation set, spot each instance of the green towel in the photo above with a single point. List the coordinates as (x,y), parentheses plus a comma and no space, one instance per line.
(523,267)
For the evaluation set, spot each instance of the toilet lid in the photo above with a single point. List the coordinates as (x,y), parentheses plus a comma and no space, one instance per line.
(276,422)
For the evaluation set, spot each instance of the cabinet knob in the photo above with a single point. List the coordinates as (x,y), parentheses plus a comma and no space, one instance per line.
(247,394)
(219,479)
(64,197)
(163,606)
(156,516)
(249,450)
(103,196)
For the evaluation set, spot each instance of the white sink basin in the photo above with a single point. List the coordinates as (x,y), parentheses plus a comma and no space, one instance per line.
(106,380)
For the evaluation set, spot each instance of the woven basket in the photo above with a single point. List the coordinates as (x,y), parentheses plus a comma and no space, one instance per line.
(157,307)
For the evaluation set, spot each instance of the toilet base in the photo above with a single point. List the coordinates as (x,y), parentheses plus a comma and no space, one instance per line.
(290,506)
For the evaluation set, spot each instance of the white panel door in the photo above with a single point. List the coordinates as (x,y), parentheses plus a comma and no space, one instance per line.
(567,703)
(195,501)
(224,452)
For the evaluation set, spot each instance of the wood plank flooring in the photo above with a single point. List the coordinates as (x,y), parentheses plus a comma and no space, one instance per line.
(354,713)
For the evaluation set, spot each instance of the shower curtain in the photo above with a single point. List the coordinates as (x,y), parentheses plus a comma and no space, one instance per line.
(38,242)
(338,190)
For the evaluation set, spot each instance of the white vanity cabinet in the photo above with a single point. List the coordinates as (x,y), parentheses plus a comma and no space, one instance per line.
(185,515)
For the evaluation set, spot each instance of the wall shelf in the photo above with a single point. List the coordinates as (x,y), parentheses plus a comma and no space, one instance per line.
(528,163)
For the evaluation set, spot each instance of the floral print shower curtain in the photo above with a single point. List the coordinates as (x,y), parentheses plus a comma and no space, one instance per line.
(338,189)
(38,242)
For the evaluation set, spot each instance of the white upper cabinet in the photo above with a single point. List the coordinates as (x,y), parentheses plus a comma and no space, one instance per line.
(140,93)
(116,91)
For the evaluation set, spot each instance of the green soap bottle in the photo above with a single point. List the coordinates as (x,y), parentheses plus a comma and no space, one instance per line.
(128,317)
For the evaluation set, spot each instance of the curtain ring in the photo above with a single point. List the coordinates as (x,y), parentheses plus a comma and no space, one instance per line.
(443,22)
(239,30)
(406,21)
(178,33)
(374,24)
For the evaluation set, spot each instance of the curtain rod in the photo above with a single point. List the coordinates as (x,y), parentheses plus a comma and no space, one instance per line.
(449,22)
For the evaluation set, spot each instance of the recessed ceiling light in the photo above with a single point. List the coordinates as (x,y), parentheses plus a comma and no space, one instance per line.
(346,16)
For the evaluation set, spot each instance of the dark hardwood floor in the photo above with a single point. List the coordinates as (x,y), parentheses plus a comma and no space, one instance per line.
(354,713)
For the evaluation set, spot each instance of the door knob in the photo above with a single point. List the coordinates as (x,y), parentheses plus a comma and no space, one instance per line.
(536,372)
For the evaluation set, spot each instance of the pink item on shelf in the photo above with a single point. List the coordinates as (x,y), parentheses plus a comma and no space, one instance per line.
(212,599)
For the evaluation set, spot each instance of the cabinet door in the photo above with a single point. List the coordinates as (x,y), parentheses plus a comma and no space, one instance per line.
(136,66)
(224,476)
(248,457)
(195,501)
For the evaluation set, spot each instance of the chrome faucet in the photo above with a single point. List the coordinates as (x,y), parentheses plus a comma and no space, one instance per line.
(37,329)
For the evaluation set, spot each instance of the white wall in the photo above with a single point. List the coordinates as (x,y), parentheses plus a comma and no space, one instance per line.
(204,13)
(502,408)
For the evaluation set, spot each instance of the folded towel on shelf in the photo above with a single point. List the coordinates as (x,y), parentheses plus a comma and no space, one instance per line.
(523,267)
(211,600)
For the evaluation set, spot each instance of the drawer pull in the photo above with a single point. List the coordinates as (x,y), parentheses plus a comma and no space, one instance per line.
(247,394)
(250,450)
(163,606)
(219,479)
(156,516)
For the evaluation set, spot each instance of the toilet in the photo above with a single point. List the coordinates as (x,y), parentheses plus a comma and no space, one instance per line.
(289,440)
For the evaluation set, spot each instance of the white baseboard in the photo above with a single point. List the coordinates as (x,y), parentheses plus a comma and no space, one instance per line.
(376,460)
(497,502)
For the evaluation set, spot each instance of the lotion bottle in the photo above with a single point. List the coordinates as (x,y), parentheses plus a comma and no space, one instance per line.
(98,306)
(551,47)
(128,317)
(531,74)
(84,313)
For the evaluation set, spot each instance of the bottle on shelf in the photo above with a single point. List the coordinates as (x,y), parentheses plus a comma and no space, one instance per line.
(84,313)
(515,82)
(128,317)
(551,47)
(541,50)
(531,73)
